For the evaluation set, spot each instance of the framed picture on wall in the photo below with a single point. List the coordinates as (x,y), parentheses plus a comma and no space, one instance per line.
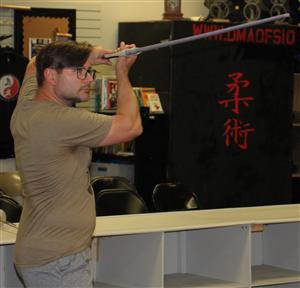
(36,44)
(38,26)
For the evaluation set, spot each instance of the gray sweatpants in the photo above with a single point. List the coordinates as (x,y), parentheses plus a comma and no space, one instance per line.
(68,272)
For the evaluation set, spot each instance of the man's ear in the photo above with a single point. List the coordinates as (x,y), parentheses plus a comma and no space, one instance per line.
(50,75)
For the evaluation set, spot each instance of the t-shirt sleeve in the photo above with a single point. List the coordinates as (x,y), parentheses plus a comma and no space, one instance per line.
(78,127)
(28,88)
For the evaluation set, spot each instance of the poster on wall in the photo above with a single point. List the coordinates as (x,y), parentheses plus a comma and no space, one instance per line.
(36,44)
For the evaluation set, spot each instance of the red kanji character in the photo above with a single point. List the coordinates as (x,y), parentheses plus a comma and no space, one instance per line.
(235,87)
(238,131)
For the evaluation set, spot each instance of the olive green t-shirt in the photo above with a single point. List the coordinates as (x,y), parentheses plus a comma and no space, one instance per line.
(53,152)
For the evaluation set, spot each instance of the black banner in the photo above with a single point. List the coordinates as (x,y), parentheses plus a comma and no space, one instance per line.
(231,115)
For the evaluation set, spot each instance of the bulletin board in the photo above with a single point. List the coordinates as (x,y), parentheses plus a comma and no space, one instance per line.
(36,27)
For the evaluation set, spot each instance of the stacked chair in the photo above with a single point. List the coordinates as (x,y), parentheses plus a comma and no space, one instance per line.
(116,196)
(10,191)
(174,197)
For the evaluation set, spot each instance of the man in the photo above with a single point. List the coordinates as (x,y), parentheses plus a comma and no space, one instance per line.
(53,142)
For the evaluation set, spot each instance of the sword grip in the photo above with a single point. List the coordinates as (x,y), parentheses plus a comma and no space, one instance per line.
(125,52)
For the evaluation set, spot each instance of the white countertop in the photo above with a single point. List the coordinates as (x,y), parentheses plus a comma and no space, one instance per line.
(183,220)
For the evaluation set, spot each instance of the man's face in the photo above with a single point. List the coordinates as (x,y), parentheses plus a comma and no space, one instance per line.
(73,84)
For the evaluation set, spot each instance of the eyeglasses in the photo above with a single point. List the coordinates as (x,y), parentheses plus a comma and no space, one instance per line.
(82,72)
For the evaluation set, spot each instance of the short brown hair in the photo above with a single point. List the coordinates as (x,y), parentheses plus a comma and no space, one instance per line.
(61,54)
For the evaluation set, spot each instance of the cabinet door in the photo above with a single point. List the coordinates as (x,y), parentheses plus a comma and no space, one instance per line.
(151,153)
(296,157)
(218,257)
(275,255)
(152,68)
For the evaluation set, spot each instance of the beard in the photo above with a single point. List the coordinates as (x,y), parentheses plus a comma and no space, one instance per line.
(71,99)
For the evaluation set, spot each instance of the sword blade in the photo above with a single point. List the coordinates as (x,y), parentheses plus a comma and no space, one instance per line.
(138,50)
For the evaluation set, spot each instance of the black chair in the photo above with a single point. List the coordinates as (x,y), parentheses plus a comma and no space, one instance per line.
(11,208)
(118,202)
(174,197)
(99,183)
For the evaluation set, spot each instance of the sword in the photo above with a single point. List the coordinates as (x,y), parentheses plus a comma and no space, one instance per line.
(139,50)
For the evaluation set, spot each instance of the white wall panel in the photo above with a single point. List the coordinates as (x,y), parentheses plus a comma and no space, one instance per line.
(6,26)
(97,21)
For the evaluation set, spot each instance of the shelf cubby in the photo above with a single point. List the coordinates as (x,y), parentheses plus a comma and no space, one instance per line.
(218,257)
(274,254)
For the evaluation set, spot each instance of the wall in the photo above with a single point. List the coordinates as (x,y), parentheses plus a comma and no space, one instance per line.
(97,21)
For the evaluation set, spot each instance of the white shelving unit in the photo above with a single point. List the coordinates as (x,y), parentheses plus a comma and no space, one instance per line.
(208,248)
(191,251)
